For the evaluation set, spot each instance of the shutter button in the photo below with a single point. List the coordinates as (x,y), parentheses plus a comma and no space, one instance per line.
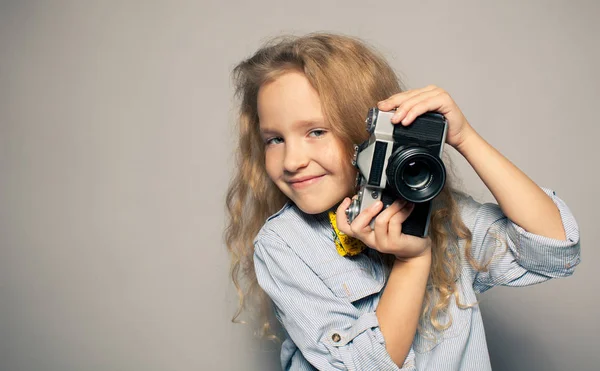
(336,337)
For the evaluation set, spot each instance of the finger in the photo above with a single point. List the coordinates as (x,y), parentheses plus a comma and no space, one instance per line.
(392,209)
(361,225)
(341,219)
(397,99)
(395,225)
(382,221)
(366,215)
(384,216)
(413,101)
(437,103)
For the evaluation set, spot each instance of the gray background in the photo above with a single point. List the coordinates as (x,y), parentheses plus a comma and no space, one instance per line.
(115,152)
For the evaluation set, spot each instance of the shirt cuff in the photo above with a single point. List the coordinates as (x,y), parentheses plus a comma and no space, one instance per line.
(339,338)
(362,347)
(544,255)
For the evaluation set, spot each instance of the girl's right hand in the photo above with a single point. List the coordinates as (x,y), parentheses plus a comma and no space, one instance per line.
(386,236)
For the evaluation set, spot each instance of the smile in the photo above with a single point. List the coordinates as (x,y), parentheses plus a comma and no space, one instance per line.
(305,183)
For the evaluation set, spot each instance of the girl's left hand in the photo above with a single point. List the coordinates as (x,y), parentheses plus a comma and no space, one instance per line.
(412,103)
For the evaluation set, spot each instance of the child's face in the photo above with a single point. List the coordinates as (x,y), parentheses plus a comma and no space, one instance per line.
(302,156)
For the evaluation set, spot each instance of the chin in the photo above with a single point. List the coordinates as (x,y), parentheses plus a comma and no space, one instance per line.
(316,207)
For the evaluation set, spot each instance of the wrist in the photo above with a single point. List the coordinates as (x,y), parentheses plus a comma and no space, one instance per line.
(423,258)
(468,136)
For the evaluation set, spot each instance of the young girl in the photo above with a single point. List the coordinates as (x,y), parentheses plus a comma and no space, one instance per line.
(404,302)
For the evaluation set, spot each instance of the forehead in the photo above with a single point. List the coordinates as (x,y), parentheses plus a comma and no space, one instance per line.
(289,99)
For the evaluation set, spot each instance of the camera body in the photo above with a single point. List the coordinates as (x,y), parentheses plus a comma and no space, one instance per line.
(401,162)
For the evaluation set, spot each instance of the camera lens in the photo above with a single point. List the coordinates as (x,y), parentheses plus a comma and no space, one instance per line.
(415,174)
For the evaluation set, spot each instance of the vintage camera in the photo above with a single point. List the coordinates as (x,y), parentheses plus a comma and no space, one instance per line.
(401,162)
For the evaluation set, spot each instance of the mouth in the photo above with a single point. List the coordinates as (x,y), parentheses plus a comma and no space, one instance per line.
(305,182)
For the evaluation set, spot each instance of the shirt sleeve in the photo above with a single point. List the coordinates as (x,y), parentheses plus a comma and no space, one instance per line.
(510,255)
(328,330)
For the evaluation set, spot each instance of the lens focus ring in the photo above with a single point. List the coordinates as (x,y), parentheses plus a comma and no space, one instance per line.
(415,174)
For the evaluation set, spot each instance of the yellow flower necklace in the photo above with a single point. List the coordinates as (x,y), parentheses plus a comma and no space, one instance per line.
(345,245)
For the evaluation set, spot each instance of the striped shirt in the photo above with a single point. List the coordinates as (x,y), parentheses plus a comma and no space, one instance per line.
(326,303)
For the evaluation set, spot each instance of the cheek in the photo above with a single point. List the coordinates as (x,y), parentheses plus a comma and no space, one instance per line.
(337,159)
(271,166)
(350,173)
(332,151)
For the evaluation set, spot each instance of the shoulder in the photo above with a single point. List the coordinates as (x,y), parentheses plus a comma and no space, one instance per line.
(295,234)
(466,206)
(289,223)
(473,212)
(464,201)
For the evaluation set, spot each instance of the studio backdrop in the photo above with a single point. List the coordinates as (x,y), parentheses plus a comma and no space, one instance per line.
(116,145)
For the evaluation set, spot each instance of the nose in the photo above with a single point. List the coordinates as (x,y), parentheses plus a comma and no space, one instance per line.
(296,157)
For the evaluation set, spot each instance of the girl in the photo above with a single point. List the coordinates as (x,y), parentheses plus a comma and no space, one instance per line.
(404,302)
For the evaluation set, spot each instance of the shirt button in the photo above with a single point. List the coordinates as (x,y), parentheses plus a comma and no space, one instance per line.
(336,337)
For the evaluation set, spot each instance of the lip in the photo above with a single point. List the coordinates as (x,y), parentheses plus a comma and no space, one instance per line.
(304,181)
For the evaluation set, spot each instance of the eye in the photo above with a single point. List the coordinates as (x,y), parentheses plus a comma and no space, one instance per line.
(317,133)
(274,140)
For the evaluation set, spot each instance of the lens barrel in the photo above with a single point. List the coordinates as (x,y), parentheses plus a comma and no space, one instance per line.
(415,174)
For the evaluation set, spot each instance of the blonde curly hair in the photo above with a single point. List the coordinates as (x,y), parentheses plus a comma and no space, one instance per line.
(350,77)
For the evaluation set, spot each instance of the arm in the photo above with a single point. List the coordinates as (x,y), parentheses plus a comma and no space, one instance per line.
(330,332)
(520,199)
(400,304)
(540,232)
(513,256)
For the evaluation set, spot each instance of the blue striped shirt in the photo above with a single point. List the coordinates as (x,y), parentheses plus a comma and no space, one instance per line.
(326,303)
